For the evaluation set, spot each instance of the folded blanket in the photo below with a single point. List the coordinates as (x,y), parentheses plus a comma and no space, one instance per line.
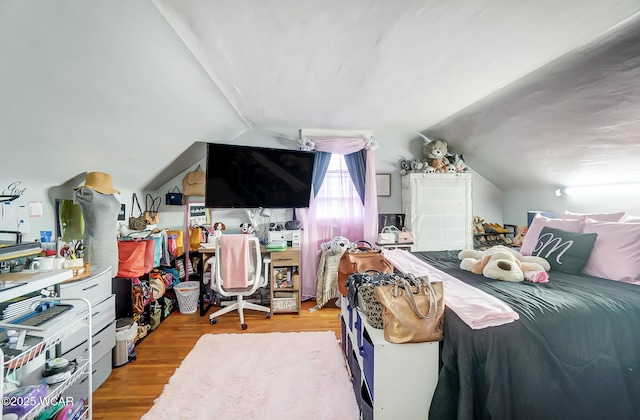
(234,259)
(476,308)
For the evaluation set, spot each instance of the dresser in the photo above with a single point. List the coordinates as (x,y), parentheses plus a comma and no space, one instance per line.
(438,210)
(96,288)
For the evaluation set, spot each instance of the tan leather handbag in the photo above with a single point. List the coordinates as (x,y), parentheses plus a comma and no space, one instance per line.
(412,314)
(360,259)
(151,209)
(193,183)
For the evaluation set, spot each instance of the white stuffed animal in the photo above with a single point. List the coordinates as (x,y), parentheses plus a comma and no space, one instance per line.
(246,228)
(501,263)
(337,245)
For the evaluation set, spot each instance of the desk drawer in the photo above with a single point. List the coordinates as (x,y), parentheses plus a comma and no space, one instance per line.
(285,258)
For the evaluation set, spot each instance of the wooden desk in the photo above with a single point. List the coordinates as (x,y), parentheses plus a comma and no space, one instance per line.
(283,278)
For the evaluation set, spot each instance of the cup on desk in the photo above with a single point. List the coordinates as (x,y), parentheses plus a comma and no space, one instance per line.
(58,262)
(42,263)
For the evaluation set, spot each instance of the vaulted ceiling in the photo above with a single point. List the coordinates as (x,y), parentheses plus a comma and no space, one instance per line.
(538,92)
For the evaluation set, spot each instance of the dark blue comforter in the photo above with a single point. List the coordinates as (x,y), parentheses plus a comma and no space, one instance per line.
(573,354)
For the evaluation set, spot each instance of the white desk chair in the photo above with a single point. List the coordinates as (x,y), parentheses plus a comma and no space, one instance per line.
(256,277)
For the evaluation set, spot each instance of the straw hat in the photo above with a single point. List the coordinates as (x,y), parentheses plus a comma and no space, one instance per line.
(100,182)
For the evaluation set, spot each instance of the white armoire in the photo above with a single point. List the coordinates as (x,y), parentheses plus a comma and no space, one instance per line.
(438,210)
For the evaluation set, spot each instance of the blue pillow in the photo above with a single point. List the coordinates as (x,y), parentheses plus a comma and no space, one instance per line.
(565,251)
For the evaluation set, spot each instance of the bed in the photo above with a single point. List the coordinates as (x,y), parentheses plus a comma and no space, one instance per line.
(566,349)
(574,352)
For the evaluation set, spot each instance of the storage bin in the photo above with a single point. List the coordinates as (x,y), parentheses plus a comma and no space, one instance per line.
(285,302)
(366,351)
(366,404)
(356,378)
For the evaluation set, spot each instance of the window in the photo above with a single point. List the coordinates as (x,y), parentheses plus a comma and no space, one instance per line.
(337,198)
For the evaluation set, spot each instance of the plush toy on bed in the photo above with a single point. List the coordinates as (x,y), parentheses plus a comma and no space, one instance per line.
(503,263)
(519,238)
(435,155)
(337,245)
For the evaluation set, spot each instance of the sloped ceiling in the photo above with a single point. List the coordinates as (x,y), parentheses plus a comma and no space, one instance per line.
(125,87)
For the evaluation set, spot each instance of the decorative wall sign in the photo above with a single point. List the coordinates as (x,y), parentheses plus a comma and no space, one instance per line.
(198,214)
(14,189)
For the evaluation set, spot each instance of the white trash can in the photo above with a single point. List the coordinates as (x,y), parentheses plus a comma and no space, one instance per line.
(187,294)
(126,330)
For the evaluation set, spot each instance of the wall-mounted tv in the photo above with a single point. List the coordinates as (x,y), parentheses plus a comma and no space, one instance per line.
(253,177)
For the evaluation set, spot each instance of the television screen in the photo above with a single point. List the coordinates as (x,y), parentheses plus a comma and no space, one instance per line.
(253,177)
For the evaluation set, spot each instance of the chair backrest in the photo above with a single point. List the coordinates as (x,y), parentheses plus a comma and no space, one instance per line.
(238,265)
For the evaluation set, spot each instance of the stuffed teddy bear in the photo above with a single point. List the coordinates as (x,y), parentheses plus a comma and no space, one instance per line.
(337,245)
(519,238)
(435,154)
(503,263)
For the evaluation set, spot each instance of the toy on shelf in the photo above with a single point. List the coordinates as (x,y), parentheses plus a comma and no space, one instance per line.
(521,233)
(435,154)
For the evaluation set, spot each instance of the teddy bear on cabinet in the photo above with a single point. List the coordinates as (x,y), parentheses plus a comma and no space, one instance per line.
(435,154)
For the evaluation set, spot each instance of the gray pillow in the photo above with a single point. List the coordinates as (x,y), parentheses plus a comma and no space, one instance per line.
(565,251)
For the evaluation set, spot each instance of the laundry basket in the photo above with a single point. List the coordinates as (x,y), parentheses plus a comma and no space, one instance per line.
(187,294)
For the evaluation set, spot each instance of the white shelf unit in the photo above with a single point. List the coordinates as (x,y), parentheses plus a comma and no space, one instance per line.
(438,210)
(32,358)
(390,381)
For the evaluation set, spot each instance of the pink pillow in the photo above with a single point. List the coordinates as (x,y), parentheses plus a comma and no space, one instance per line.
(538,222)
(601,217)
(616,253)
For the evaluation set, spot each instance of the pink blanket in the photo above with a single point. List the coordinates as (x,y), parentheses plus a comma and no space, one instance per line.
(476,308)
(234,260)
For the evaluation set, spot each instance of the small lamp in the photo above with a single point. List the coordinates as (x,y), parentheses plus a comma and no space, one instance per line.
(265,212)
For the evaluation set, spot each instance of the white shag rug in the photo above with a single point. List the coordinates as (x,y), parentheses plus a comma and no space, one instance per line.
(260,376)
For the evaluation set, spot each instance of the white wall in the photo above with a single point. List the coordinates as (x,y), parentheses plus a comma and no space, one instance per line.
(518,202)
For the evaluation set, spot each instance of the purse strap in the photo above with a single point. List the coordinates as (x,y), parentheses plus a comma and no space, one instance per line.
(406,285)
(174,190)
(154,207)
(134,201)
(390,229)
(364,242)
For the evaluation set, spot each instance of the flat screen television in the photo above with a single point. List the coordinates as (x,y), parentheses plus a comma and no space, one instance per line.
(254,177)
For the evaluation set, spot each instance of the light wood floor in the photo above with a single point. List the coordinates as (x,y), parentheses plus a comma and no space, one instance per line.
(131,389)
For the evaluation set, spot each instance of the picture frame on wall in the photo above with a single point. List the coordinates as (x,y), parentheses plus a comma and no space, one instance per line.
(383,185)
